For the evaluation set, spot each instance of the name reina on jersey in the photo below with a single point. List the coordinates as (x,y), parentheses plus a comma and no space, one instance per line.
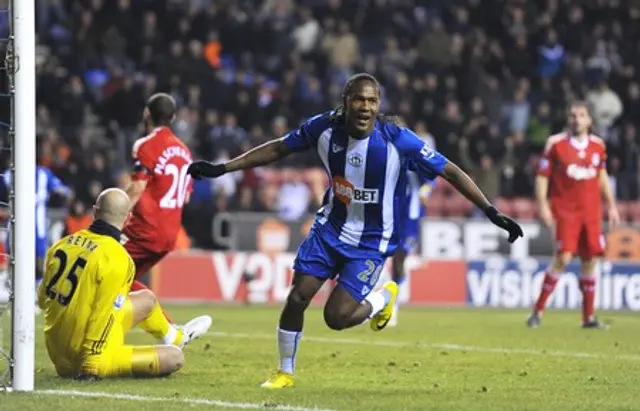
(368,177)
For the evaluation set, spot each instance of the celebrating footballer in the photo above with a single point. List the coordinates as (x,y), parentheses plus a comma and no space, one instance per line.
(367,156)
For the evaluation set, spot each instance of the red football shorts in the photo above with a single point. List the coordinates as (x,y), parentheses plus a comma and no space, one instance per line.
(144,258)
(579,236)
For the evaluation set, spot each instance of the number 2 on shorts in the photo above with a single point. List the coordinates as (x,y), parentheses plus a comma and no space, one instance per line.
(371,273)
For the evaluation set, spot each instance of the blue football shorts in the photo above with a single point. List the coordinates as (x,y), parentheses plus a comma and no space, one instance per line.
(357,270)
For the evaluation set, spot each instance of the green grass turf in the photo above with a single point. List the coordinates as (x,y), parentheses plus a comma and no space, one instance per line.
(436,359)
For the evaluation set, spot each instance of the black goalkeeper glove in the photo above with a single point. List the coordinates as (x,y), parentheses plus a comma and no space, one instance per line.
(201,168)
(504,222)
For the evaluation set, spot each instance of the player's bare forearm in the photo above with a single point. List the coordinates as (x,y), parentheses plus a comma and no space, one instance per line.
(605,189)
(135,190)
(542,188)
(264,154)
(465,185)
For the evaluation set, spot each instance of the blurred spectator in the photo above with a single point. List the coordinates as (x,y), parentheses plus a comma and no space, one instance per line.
(517,112)
(625,154)
(605,107)
(293,201)
(342,49)
(78,219)
(551,55)
(306,32)
(434,48)
(539,127)
(486,171)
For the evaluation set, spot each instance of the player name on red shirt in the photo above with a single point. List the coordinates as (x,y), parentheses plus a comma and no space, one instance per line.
(162,160)
(168,153)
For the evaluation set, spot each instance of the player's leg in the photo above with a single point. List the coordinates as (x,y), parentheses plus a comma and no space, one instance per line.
(313,265)
(146,361)
(591,246)
(352,303)
(144,260)
(398,275)
(567,235)
(408,243)
(148,314)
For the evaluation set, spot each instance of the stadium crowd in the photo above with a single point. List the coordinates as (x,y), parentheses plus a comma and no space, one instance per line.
(488,80)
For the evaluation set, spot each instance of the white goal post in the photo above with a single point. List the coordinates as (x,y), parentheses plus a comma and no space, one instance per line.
(20,65)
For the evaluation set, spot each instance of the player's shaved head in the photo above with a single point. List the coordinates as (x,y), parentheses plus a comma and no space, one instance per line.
(161,109)
(112,206)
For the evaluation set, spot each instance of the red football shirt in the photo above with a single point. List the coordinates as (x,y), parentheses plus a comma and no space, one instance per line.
(162,160)
(573,168)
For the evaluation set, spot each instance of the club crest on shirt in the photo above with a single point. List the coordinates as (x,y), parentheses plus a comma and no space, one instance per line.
(355,160)
(544,164)
(595,159)
(119,302)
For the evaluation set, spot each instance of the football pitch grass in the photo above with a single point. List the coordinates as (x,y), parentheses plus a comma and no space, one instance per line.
(436,359)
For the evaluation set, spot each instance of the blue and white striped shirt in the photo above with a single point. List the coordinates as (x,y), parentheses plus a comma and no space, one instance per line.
(415,209)
(46,184)
(365,203)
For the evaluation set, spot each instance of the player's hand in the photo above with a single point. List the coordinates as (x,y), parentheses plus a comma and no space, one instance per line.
(614,218)
(201,168)
(504,222)
(545,215)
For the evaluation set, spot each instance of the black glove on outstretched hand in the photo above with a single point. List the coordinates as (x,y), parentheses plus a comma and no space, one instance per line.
(504,222)
(201,168)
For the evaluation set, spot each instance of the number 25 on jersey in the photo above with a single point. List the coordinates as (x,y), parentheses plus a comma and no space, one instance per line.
(177,193)
(55,285)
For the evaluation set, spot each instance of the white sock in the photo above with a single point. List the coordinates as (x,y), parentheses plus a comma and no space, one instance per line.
(171,335)
(377,301)
(288,342)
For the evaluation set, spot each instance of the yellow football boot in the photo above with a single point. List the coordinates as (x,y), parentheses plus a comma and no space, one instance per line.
(380,320)
(280,379)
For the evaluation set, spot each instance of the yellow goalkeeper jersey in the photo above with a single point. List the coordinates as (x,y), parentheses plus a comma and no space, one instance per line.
(87,278)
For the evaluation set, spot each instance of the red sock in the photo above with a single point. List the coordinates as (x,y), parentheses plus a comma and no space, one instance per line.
(137,286)
(588,288)
(548,285)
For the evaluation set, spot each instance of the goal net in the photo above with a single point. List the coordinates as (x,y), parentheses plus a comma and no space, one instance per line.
(18,135)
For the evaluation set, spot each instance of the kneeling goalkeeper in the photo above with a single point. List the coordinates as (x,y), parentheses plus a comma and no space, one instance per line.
(88,308)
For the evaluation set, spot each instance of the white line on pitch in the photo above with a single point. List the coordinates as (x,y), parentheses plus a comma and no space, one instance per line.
(441,346)
(192,401)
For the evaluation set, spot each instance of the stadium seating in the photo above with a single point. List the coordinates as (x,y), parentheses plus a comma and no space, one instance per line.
(239,92)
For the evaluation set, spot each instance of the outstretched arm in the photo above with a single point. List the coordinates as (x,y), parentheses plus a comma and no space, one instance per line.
(263,154)
(266,153)
(298,140)
(428,163)
(465,185)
